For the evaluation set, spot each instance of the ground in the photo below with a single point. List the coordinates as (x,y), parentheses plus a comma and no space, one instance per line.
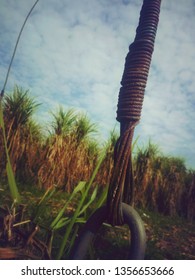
(168,238)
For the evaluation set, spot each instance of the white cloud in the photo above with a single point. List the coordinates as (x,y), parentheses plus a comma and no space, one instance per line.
(168,111)
(73,53)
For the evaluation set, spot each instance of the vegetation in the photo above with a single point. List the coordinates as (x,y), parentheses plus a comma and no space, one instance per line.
(163,183)
(168,238)
(67,170)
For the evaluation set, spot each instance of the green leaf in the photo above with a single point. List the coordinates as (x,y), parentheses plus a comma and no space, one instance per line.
(78,209)
(65,221)
(12,182)
(39,210)
(10,175)
(47,195)
(79,187)
(61,223)
(102,198)
(93,196)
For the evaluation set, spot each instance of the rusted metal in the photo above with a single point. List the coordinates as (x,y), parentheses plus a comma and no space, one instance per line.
(131,218)
(130,100)
(131,96)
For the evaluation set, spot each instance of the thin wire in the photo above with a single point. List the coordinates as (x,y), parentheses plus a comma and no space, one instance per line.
(12,58)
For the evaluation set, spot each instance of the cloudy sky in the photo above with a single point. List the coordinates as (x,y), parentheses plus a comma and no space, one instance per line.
(73,52)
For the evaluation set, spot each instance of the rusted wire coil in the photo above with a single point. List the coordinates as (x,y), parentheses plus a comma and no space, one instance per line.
(130,100)
(131,95)
(137,64)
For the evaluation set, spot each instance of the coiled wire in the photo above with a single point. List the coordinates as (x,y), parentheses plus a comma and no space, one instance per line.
(129,108)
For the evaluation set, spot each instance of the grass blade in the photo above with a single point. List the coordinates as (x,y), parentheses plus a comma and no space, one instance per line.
(78,188)
(93,196)
(102,198)
(41,204)
(10,175)
(77,211)
(12,182)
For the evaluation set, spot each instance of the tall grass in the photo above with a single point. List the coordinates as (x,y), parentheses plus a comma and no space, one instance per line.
(10,175)
(70,152)
(15,130)
(70,160)
(81,207)
(163,183)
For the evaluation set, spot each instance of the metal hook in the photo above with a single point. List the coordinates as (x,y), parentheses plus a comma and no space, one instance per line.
(131,218)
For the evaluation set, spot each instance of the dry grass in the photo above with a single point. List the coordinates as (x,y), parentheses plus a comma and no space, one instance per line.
(164,184)
(69,155)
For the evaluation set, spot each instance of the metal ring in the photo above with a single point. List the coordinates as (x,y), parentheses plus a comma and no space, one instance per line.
(131,218)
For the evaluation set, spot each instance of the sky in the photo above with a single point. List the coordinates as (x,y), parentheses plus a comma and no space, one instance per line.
(72,53)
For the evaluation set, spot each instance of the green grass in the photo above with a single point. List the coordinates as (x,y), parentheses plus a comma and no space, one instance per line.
(167,237)
(10,175)
(48,220)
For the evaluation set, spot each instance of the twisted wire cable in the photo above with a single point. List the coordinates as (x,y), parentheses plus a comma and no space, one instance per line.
(130,102)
